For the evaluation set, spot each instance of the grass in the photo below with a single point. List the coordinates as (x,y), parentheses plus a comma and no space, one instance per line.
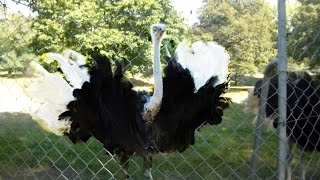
(220,152)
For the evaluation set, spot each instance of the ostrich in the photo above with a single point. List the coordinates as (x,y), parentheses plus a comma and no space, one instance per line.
(128,122)
(303,109)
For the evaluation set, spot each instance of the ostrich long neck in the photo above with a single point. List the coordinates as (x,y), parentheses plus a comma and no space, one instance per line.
(157,74)
(152,107)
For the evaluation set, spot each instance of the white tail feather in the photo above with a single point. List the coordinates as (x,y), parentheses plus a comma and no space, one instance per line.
(38,69)
(79,59)
(51,88)
(204,60)
(75,74)
(52,93)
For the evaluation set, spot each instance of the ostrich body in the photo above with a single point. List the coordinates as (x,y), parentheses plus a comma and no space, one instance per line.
(303,110)
(128,122)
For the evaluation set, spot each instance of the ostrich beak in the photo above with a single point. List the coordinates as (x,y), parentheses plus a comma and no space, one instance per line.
(159,30)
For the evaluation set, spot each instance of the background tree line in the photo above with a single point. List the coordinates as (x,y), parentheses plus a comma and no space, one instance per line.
(15,36)
(247,28)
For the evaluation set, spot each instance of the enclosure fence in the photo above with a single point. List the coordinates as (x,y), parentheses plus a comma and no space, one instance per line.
(238,148)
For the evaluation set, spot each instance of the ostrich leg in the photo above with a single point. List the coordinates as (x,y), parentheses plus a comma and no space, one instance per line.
(301,164)
(289,159)
(124,163)
(147,167)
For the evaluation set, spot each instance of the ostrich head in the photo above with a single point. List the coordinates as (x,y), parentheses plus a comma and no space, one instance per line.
(157,31)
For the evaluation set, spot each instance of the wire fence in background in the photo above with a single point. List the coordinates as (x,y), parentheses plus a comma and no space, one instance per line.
(223,151)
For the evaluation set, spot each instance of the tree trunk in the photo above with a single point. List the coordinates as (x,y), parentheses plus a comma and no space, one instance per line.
(236,77)
(10,71)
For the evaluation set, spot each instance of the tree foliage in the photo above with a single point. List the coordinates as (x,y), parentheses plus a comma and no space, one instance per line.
(246,28)
(119,27)
(15,38)
(304,38)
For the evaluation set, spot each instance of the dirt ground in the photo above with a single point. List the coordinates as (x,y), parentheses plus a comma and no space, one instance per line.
(13,98)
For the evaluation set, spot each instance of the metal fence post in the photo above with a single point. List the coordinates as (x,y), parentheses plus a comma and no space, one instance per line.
(282,87)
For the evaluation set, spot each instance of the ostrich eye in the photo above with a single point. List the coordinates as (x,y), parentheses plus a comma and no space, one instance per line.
(154,28)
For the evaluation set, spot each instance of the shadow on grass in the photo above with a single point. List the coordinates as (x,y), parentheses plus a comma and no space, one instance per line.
(12,76)
(220,152)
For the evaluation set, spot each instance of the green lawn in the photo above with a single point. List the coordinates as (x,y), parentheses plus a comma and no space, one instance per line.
(221,152)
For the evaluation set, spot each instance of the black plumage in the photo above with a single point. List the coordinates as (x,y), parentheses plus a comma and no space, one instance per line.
(110,110)
(303,108)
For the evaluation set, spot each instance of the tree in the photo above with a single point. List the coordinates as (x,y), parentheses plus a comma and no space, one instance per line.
(304,38)
(120,28)
(245,28)
(15,38)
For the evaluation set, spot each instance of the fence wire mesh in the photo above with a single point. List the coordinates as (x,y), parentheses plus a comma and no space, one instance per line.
(221,151)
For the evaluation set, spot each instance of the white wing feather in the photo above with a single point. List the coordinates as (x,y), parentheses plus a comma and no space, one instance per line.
(204,60)
(80,61)
(74,73)
(51,93)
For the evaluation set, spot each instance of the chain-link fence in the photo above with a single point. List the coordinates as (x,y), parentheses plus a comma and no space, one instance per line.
(235,149)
